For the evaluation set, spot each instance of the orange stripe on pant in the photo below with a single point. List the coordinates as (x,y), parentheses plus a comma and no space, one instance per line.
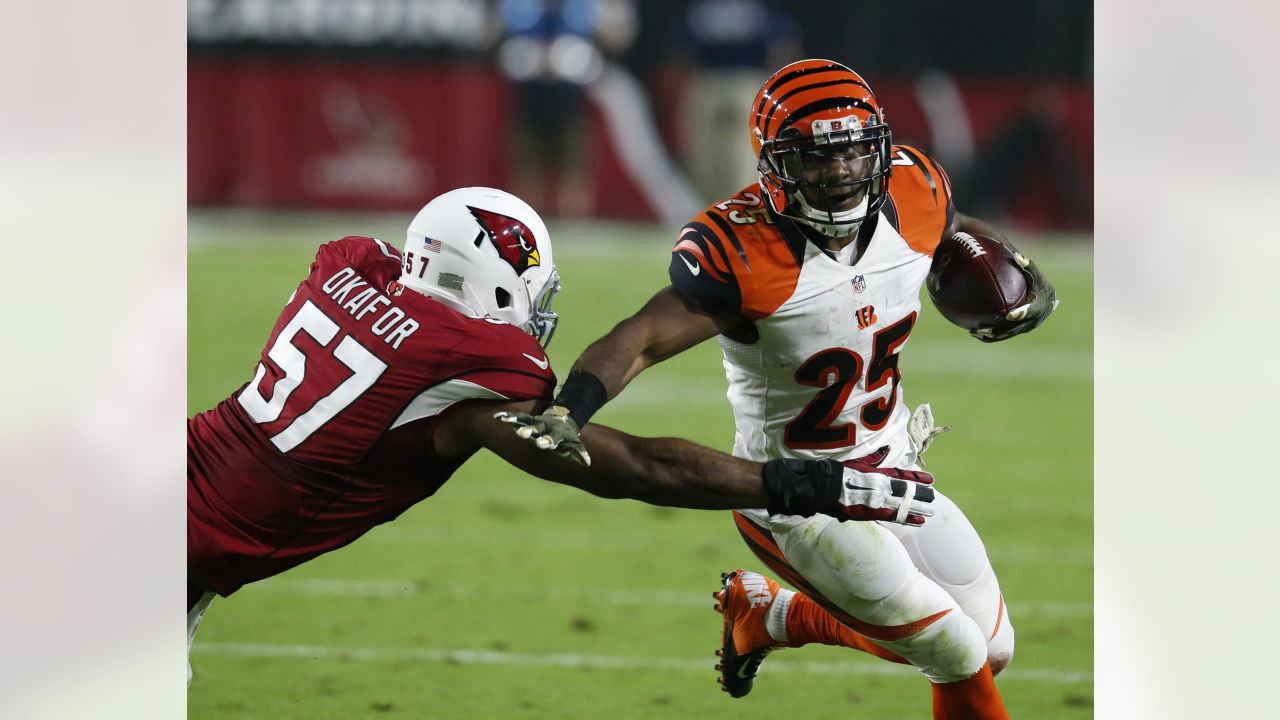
(761,542)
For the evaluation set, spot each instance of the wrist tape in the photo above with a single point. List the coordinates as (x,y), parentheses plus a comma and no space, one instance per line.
(582,395)
(802,487)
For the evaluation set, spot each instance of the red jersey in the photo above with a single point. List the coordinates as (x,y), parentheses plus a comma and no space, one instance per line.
(333,435)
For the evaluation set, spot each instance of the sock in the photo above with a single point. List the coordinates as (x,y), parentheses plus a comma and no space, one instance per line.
(807,622)
(775,621)
(974,698)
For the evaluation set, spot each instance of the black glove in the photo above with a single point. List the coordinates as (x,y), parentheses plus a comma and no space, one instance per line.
(1041,301)
(802,487)
(854,490)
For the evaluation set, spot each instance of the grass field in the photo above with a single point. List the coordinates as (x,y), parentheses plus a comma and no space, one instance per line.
(507,597)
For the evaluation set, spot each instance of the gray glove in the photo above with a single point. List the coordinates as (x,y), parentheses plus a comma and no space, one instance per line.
(552,430)
(1041,300)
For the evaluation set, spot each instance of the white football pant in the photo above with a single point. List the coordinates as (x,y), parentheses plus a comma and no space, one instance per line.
(891,575)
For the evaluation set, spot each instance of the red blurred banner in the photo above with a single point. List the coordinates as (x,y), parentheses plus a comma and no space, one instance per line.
(350,135)
(371,134)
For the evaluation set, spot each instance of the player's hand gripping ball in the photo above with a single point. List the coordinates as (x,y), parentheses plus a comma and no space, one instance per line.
(988,288)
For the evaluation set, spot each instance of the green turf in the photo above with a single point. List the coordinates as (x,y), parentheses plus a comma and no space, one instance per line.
(557,604)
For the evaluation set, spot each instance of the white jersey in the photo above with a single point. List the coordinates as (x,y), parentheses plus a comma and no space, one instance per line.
(813,370)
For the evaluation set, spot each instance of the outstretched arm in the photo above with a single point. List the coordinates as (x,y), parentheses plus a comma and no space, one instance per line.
(678,473)
(661,471)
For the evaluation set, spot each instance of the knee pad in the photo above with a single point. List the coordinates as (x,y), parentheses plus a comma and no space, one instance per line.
(952,648)
(1000,647)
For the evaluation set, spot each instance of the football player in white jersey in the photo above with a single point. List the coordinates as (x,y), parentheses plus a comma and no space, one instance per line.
(810,281)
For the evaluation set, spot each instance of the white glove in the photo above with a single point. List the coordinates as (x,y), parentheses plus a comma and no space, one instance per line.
(876,493)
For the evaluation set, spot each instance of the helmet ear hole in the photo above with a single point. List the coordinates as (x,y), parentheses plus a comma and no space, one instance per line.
(503,297)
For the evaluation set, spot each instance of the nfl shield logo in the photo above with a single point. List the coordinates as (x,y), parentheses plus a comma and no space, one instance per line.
(859,284)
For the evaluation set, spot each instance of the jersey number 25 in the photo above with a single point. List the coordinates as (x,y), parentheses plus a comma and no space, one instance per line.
(814,428)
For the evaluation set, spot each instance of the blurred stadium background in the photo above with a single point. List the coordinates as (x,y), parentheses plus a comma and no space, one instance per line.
(505,597)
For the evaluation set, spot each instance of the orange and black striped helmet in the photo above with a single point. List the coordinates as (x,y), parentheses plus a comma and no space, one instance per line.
(823,145)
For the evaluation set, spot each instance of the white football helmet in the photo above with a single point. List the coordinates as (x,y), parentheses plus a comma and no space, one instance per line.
(484,253)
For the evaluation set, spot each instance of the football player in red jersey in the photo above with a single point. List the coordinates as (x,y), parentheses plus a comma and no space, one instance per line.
(386,370)
(810,280)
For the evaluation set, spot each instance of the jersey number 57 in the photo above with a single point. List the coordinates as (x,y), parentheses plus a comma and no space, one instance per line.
(365,369)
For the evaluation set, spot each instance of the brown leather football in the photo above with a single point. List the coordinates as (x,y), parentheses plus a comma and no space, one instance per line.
(975,280)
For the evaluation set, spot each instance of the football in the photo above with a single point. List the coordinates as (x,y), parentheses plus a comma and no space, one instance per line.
(975,281)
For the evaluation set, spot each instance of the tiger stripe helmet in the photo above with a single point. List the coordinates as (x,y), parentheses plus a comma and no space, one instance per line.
(806,113)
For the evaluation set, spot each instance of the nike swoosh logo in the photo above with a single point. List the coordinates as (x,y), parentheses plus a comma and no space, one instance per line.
(543,363)
(694,268)
(742,672)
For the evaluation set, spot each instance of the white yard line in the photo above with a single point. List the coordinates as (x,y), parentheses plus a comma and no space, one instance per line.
(595,662)
(1075,555)
(596,596)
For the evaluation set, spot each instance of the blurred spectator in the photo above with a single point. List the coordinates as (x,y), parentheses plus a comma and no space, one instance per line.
(551,50)
(733,46)
(1033,141)
(1036,141)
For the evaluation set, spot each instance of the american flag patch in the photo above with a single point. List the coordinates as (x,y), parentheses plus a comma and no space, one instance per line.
(432,244)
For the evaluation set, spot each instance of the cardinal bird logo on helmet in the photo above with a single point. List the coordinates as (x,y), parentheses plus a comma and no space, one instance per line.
(513,239)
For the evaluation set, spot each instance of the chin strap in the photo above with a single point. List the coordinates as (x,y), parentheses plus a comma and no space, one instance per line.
(836,230)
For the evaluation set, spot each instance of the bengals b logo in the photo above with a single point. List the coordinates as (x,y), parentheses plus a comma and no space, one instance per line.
(513,239)
(866,316)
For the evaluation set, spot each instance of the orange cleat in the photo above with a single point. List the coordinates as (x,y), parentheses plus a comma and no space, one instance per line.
(745,643)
